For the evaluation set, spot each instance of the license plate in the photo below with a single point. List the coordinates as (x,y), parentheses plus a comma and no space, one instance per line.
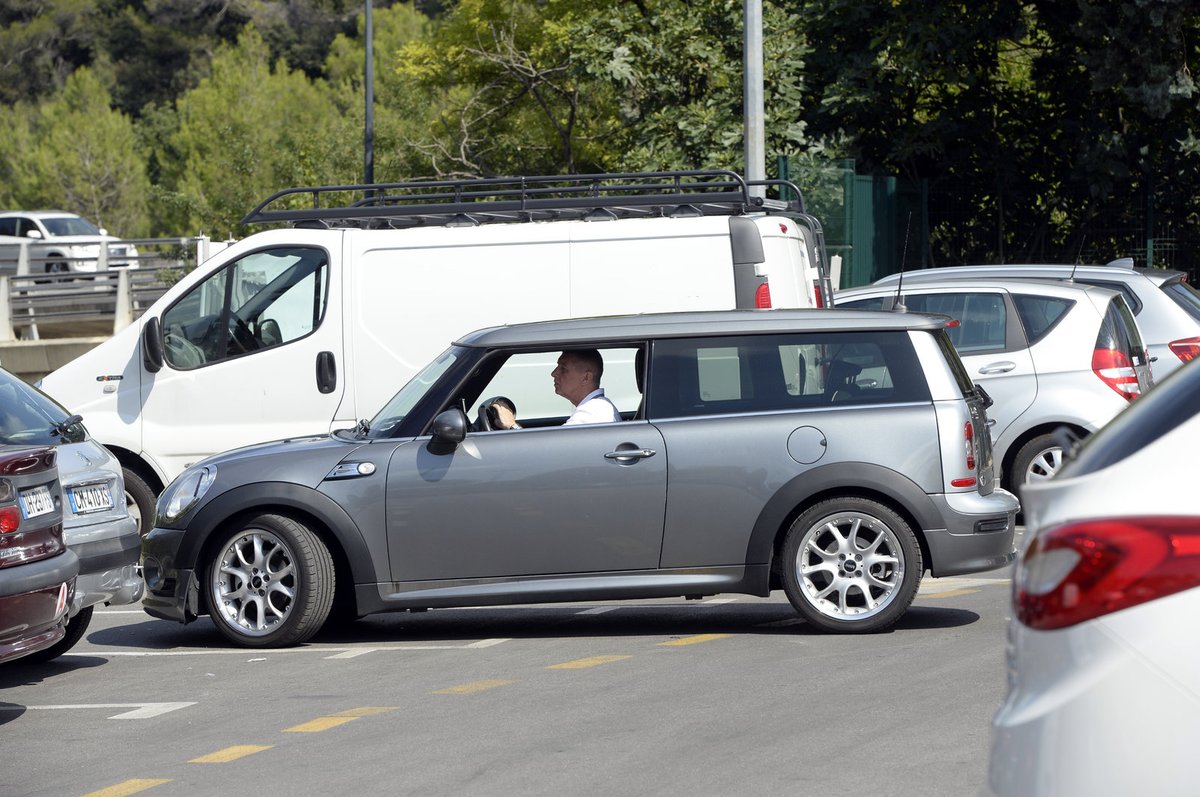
(35,502)
(90,498)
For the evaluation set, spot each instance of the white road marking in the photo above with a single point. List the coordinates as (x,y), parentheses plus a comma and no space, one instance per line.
(339,652)
(717,601)
(936,585)
(599,610)
(141,711)
(486,643)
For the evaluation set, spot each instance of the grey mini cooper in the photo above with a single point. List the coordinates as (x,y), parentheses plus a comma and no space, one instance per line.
(837,455)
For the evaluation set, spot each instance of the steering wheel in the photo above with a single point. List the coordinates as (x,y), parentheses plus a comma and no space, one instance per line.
(486,419)
(240,334)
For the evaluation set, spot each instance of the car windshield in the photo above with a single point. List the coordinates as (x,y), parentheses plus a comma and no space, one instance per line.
(30,417)
(69,225)
(396,410)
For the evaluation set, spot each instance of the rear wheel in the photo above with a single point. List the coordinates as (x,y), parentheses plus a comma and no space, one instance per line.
(77,626)
(271,584)
(1038,460)
(851,565)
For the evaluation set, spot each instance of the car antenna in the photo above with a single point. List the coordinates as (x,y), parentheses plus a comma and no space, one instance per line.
(898,306)
(1078,255)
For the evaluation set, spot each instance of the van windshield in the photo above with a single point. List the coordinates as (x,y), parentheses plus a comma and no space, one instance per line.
(396,410)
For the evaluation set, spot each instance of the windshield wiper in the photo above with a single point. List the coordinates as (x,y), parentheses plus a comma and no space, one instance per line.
(62,426)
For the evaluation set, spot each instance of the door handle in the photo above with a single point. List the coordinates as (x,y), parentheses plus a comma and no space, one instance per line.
(998,368)
(630,453)
(326,372)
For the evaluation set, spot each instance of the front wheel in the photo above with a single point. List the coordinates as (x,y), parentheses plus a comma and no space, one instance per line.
(139,500)
(271,584)
(851,565)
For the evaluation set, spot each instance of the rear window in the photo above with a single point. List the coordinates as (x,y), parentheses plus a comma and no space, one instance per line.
(715,376)
(1040,314)
(1185,296)
(956,364)
(1120,332)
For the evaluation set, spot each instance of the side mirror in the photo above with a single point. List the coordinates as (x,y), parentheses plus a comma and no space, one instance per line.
(102,231)
(152,345)
(33,234)
(449,429)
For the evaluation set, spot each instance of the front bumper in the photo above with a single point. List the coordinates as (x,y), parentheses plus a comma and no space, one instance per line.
(171,593)
(978,536)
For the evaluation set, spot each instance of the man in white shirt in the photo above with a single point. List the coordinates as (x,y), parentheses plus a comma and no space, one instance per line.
(577,379)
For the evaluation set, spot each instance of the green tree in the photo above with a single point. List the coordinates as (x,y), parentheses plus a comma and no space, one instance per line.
(76,153)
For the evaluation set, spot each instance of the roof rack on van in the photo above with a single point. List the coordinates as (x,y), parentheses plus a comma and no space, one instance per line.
(507,199)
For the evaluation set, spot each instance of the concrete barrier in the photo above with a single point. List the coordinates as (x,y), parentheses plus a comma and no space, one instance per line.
(33,359)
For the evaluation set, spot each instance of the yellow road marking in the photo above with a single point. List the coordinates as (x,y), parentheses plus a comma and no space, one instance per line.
(365,711)
(319,724)
(692,640)
(477,686)
(230,754)
(128,787)
(950,593)
(593,661)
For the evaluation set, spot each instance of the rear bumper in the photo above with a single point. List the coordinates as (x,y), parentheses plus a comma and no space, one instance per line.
(978,535)
(34,599)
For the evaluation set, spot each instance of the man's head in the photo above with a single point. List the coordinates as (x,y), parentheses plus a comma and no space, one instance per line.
(578,373)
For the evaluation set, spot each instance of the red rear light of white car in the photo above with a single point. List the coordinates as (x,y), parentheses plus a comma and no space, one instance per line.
(1116,370)
(1186,349)
(818,294)
(1080,571)
(969,443)
(762,297)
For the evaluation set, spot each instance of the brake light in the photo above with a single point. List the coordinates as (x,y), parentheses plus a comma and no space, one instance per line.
(1115,370)
(818,294)
(10,519)
(1084,570)
(969,443)
(1186,349)
(762,297)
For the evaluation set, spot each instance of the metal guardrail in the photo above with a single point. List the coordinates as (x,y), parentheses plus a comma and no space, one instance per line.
(102,298)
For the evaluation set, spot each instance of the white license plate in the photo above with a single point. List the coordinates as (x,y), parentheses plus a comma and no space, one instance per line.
(37,501)
(90,498)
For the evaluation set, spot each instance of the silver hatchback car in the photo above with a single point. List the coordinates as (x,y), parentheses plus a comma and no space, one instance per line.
(836,455)
(1052,356)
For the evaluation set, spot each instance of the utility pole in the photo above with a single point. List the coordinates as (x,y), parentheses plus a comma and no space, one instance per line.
(369,84)
(755,134)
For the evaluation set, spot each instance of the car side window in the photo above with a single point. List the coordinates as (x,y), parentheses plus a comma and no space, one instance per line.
(1040,314)
(8,226)
(982,317)
(716,376)
(261,301)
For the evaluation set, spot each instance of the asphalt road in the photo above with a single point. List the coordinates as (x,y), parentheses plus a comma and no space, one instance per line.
(732,695)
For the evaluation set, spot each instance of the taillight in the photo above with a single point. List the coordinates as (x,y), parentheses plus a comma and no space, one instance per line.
(1115,370)
(818,294)
(762,297)
(1186,349)
(969,443)
(1083,570)
(10,519)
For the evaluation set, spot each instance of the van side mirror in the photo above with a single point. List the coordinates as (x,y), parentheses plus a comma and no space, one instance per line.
(152,345)
(449,429)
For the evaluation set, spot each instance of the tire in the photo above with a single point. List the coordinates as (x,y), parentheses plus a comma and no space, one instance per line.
(77,626)
(858,553)
(1038,460)
(270,584)
(140,500)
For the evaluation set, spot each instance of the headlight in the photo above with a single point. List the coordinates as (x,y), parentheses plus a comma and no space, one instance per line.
(184,492)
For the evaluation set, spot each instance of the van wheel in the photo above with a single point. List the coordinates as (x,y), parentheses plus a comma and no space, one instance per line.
(851,565)
(139,500)
(77,626)
(1037,461)
(271,584)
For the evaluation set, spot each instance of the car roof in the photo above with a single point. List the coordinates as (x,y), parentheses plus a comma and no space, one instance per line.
(692,324)
(1113,271)
(1040,287)
(40,214)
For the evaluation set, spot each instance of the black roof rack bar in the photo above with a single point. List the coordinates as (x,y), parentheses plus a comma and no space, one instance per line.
(796,204)
(716,190)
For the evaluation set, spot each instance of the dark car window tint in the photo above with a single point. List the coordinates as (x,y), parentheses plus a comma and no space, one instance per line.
(715,376)
(1039,314)
(876,303)
(982,317)
(1119,331)
(1131,297)
(1172,402)
(1185,296)
(8,226)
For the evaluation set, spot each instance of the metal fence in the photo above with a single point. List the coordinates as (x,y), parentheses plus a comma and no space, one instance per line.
(93,297)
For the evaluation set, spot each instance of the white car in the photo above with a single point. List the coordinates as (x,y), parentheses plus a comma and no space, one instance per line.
(1103,684)
(1051,355)
(63,242)
(1166,307)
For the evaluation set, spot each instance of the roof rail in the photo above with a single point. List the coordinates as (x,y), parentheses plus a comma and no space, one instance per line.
(505,199)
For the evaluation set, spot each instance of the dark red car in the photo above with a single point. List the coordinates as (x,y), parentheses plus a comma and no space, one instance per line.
(37,570)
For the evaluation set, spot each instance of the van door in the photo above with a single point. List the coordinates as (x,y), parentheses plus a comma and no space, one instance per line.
(251,353)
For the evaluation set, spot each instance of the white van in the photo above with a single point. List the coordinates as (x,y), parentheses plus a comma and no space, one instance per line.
(309,328)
